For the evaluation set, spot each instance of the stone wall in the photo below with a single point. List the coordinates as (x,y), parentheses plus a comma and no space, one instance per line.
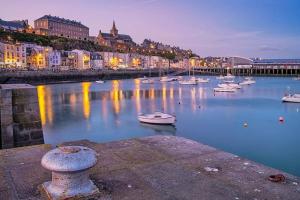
(19,116)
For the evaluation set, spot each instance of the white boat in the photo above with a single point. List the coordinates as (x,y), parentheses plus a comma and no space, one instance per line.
(143,78)
(226,89)
(229,85)
(100,82)
(200,80)
(229,76)
(167,79)
(229,81)
(220,77)
(148,81)
(157,118)
(248,81)
(188,82)
(295,98)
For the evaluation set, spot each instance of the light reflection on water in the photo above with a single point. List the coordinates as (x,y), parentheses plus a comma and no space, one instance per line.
(108,112)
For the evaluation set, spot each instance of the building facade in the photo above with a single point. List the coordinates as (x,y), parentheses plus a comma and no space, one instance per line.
(114,39)
(13,55)
(83,59)
(56,26)
(54,59)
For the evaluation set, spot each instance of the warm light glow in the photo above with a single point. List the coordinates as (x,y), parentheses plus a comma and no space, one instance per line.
(115,96)
(41,98)
(164,96)
(136,62)
(114,61)
(86,100)
(137,95)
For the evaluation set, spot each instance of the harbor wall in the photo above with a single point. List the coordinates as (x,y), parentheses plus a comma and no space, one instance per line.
(19,116)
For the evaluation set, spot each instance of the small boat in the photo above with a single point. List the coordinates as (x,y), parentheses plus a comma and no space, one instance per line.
(167,79)
(226,89)
(199,80)
(100,82)
(229,76)
(295,98)
(229,85)
(188,82)
(229,81)
(148,81)
(248,81)
(157,118)
(142,78)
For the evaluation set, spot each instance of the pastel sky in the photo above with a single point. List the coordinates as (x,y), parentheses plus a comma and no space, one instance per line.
(250,28)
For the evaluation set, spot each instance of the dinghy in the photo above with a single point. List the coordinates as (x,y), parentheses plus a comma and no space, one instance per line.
(157,118)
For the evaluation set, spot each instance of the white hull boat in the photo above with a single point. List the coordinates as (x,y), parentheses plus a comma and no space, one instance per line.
(229,81)
(201,80)
(247,82)
(100,82)
(224,90)
(188,82)
(167,79)
(157,118)
(292,98)
(230,85)
(220,77)
(148,81)
(143,78)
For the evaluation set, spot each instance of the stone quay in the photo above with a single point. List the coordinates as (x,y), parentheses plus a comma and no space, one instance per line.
(150,168)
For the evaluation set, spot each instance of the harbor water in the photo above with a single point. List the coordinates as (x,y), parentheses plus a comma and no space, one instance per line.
(245,123)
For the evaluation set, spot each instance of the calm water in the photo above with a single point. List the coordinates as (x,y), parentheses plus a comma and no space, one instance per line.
(108,112)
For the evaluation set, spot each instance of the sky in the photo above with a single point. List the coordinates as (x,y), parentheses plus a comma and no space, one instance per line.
(248,28)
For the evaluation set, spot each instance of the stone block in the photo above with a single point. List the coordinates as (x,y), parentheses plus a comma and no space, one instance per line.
(21,137)
(24,100)
(37,134)
(5,94)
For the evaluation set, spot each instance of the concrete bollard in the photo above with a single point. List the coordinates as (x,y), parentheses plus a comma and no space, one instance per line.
(70,178)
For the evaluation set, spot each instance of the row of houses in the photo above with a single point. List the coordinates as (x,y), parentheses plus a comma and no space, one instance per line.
(32,56)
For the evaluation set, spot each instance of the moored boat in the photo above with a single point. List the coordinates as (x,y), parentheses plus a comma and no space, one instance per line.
(229,85)
(225,89)
(157,118)
(148,81)
(100,82)
(248,81)
(167,79)
(188,82)
(295,98)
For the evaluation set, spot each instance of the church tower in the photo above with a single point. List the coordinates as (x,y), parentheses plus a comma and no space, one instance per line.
(114,30)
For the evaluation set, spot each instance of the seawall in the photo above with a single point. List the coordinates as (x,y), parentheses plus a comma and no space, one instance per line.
(157,167)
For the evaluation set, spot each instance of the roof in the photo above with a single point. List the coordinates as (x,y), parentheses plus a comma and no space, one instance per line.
(120,36)
(13,24)
(62,20)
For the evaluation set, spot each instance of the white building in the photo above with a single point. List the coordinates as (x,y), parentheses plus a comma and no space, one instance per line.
(54,58)
(96,61)
(84,59)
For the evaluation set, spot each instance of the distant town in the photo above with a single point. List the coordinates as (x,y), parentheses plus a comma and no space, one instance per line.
(55,43)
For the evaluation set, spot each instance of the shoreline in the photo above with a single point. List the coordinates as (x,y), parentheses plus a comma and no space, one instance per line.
(60,77)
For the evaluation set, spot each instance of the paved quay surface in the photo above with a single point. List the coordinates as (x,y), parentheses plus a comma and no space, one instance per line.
(157,167)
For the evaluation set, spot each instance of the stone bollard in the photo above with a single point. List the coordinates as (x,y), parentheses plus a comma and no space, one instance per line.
(70,178)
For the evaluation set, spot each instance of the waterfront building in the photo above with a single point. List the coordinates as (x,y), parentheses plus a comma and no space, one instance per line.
(116,60)
(54,59)
(239,62)
(83,59)
(69,60)
(56,26)
(96,60)
(16,25)
(12,55)
(37,56)
(114,39)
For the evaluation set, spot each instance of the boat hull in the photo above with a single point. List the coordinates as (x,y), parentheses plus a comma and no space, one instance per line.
(160,121)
